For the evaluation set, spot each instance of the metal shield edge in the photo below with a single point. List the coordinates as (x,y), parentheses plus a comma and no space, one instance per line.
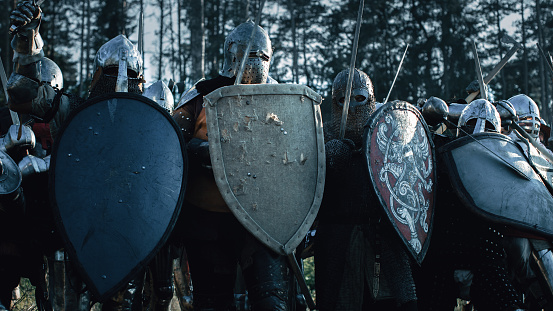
(66,241)
(210,101)
(465,196)
(369,127)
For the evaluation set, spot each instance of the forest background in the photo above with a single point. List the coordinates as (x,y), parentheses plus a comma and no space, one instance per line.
(312,42)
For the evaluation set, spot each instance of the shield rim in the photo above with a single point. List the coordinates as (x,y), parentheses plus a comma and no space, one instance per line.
(369,129)
(57,216)
(464,195)
(210,103)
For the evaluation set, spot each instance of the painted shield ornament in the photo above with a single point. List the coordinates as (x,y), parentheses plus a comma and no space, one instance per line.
(267,152)
(495,180)
(401,163)
(117,177)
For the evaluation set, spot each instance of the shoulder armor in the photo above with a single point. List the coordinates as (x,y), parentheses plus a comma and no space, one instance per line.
(188,96)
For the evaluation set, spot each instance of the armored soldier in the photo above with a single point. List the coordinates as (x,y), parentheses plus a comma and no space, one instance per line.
(359,260)
(215,241)
(466,258)
(50,105)
(28,145)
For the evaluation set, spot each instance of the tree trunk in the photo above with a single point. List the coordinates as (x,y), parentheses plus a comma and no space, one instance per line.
(81,67)
(525,53)
(544,82)
(295,77)
(197,38)
(88,38)
(161,31)
(180,50)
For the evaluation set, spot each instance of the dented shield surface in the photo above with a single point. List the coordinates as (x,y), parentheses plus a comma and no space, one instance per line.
(401,163)
(511,194)
(267,152)
(118,175)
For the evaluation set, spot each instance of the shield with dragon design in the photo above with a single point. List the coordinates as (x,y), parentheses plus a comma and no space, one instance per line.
(401,163)
(267,153)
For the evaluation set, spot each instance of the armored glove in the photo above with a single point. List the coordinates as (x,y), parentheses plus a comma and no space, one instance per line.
(15,141)
(26,18)
(198,150)
(474,86)
(30,165)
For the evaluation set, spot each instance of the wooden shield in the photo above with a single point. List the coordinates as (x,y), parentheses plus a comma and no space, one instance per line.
(401,162)
(267,151)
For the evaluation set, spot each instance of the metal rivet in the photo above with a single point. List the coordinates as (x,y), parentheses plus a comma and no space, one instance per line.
(69,154)
(104,277)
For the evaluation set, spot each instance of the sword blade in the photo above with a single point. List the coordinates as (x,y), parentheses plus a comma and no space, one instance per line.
(479,73)
(397,73)
(249,47)
(501,63)
(345,108)
(545,58)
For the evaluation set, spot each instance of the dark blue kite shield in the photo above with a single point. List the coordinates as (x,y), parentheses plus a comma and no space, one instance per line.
(401,162)
(118,175)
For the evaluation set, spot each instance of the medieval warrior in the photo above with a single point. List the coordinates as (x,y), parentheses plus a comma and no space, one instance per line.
(215,241)
(359,260)
(48,104)
(466,258)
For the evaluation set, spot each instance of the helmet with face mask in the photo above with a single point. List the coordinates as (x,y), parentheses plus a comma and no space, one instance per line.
(361,105)
(528,114)
(161,94)
(477,117)
(118,67)
(256,68)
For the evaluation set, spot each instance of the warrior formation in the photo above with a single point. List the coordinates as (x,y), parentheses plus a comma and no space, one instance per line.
(134,198)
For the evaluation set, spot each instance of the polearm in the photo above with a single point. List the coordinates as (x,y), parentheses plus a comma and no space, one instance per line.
(479,73)
(249,47)
(397,73)
(345,109)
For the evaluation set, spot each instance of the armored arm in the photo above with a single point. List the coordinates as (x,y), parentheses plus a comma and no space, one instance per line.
(198,151)
(27,44)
